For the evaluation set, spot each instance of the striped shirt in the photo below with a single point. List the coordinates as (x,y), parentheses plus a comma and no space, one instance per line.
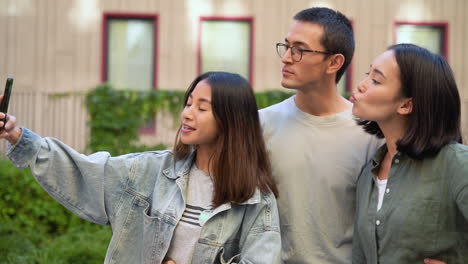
(198,207)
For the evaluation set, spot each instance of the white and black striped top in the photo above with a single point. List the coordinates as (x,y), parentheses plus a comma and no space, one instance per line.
(198,204)
(192,213)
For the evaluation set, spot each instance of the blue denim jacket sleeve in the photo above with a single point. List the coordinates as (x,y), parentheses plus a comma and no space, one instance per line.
(262,239)
(90,186)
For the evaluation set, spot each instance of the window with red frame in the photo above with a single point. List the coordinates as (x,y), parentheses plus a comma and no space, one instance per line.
(130,49)
(129,54)
(226,45)
(432,36)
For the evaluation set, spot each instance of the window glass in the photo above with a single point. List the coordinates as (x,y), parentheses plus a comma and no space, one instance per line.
(225,46)
(427,36)
(130,53)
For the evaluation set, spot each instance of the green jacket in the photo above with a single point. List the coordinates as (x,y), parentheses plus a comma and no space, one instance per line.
(424,213)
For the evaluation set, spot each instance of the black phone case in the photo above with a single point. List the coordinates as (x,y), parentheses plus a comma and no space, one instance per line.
(6,98)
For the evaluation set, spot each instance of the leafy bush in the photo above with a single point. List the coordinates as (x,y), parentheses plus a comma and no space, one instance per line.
(84,244)
(116,116)
(268,98)
(36,229)
(23,201)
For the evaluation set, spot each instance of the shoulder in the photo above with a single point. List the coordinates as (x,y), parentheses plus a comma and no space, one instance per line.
(360,135)
(143,160)
(156,154)
(358,139)
(267,199)
(147,155)
(275,115)
(454,155)
(263,215)
(458,148)
(275,109)
(454,152)
(452,161)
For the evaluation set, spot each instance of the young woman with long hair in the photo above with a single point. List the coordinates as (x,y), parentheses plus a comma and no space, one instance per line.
(210,200)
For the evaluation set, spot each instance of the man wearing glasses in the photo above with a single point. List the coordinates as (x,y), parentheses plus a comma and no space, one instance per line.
(317,150)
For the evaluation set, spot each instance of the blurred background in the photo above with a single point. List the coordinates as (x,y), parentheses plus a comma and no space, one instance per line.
(81,66)
(56,47)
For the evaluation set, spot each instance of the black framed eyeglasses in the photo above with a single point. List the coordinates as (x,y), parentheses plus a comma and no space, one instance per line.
(296,53)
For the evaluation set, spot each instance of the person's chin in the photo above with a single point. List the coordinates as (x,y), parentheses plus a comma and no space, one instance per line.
(288,85)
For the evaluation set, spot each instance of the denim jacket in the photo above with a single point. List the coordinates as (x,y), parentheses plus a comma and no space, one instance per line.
(120,190)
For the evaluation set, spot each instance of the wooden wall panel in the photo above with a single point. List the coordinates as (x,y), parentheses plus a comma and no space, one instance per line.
(55,47)
(4,41)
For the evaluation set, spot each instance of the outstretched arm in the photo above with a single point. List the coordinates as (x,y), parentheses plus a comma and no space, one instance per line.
(89,186)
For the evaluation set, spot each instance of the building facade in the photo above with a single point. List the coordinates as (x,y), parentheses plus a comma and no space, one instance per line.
(57,47)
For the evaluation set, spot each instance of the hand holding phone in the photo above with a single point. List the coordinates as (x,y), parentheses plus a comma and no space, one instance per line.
(6,99)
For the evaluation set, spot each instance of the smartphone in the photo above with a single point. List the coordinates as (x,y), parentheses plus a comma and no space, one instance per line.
(6,98)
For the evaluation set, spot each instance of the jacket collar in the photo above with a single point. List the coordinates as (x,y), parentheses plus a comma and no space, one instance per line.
(180,168)
(255,199)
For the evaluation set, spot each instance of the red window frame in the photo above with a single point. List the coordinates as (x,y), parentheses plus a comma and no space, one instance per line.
(443,25)
(228,18)
(104,50)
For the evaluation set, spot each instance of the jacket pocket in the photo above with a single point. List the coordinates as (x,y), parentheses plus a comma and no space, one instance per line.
(152,248)
(136,234)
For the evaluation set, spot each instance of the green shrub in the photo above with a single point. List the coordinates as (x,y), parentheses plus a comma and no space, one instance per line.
(25,203)
(34,228)
(268,98)
(15,245)
(115,116)
(86,244)
(83,244)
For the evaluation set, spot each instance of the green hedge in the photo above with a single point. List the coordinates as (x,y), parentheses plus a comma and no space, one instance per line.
(34,228)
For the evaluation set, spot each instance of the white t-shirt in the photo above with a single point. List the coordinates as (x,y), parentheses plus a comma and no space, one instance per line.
(316,162)
(198,205)
(382,185)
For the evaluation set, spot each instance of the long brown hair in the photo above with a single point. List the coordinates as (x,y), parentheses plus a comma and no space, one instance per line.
(240,159)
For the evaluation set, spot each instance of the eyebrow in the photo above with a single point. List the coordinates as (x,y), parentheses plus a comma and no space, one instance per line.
(296,42)
(201,99)
(379,72)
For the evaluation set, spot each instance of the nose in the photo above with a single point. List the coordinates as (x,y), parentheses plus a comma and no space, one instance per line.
(362,88)
(187,113)
(287,57)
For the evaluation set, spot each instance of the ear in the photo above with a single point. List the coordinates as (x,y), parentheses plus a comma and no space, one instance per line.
(336,61)
(406,107)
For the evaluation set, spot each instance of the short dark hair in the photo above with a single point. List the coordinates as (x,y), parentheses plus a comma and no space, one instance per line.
(337,36)
(435,120)
(240,162)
